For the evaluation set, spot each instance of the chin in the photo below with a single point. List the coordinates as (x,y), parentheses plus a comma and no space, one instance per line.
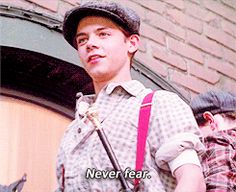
(99,76)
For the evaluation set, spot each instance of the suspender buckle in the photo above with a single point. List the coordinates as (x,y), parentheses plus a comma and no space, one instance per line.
(146,105)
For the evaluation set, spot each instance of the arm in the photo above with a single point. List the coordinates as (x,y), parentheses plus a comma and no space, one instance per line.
(180,134)
(189,178)
(186,168)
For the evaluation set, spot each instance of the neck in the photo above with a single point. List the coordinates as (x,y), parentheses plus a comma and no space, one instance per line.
(98,85)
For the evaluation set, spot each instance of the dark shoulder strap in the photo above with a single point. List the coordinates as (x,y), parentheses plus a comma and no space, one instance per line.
(144,115)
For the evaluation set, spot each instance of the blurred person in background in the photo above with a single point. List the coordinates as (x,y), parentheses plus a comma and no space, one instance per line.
(215,112)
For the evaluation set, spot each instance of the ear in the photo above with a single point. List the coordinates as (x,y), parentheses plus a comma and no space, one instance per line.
(133,43)
(209,117)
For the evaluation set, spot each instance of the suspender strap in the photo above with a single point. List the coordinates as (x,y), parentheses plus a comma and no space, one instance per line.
(144,115)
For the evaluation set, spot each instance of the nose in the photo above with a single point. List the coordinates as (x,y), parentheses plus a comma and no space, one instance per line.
(92,43)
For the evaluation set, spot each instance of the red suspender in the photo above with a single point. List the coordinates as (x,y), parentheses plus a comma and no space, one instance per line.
(144,115)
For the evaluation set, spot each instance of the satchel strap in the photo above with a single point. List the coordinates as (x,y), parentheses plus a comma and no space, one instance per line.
(144,115)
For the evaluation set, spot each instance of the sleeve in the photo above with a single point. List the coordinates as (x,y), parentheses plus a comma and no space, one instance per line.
(179,150)
(173,130)
(219,164)
(188,156)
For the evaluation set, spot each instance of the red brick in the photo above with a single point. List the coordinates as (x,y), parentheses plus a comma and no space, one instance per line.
(185,20)
(195,10)
(204,44)
(189,82)
(229,55)
(155,65)
(229,85)
(173,60)
(220,37)
(230,3)
(63,8)
(204,73)
(142,45)
(51,5)
(141,11)
(196,1)
(221,9)
(178,4)
(185,50)
(72,2)
(213,19)
(18,3)
(222,66)
(229,27)
(152,33)
(165,25)
(154,5)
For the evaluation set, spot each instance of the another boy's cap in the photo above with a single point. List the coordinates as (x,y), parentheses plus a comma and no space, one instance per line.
(214,102)
(124,17)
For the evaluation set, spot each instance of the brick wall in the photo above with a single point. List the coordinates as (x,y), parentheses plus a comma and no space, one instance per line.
(190,43)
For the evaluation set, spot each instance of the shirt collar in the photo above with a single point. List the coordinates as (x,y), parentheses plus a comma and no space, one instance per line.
(133,87)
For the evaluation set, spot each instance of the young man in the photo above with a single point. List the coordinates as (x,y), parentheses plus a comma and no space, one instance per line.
(215,112)
(106,36)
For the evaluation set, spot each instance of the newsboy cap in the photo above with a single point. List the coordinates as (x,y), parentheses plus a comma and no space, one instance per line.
(124,17)
(214,102)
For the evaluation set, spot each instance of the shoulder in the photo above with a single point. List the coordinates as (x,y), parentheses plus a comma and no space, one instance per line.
(162,93)
(168,99)
(221,138)
(166,95)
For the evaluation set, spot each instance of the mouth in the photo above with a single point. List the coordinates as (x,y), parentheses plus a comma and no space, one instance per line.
(94,58)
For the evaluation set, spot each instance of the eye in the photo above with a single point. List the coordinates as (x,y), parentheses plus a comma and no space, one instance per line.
(81,41)
(104,34)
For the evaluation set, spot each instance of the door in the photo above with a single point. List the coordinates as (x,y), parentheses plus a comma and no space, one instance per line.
(29,140)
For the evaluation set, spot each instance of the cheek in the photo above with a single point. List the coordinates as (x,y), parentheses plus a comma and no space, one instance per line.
(206,130)
(118,52)
(82,55)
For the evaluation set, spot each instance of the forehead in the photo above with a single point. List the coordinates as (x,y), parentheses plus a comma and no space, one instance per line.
(96,21)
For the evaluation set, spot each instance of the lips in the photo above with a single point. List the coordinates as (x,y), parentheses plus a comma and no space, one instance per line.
(94,57)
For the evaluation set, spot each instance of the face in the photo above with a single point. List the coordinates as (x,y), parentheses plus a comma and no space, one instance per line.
(103,49)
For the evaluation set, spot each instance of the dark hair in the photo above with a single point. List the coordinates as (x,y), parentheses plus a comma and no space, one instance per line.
(214,101)
(231,116)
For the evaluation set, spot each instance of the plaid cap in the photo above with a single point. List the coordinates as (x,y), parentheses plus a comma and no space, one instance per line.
(214,102)
(124,17)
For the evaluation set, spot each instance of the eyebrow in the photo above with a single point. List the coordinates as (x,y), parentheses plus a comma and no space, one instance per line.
(97,30)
